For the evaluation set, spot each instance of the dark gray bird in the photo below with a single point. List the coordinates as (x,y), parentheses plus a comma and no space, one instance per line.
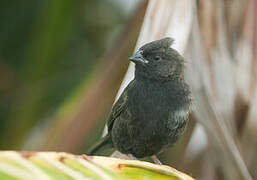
(153,110)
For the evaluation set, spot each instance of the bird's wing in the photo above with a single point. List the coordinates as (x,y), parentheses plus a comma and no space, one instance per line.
(119,106)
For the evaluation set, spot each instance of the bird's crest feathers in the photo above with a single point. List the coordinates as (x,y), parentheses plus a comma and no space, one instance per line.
(162,43)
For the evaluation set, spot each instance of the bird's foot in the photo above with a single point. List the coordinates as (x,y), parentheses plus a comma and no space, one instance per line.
(132,157)
(156,160)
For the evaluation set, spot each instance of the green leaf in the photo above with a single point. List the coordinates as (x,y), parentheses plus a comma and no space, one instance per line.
(64,166)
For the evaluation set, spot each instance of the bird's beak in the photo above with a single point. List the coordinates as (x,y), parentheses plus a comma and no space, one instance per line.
(138,58)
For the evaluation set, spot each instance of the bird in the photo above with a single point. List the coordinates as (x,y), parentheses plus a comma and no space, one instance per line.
(153,110)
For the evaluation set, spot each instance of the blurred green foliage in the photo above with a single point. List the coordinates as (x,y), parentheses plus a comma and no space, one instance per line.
(47,49)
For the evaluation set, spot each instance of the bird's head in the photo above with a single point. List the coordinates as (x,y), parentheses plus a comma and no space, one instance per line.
(157,60)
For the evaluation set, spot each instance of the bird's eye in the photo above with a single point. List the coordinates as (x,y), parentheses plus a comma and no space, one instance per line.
(157,58)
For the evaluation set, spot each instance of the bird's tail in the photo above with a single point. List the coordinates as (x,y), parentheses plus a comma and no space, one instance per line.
(105,142)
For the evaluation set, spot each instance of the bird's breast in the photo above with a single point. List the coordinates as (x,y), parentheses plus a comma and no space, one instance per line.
(154,117)
(153,101)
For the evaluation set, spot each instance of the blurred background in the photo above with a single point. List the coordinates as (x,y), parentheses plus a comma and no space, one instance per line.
(63,63)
